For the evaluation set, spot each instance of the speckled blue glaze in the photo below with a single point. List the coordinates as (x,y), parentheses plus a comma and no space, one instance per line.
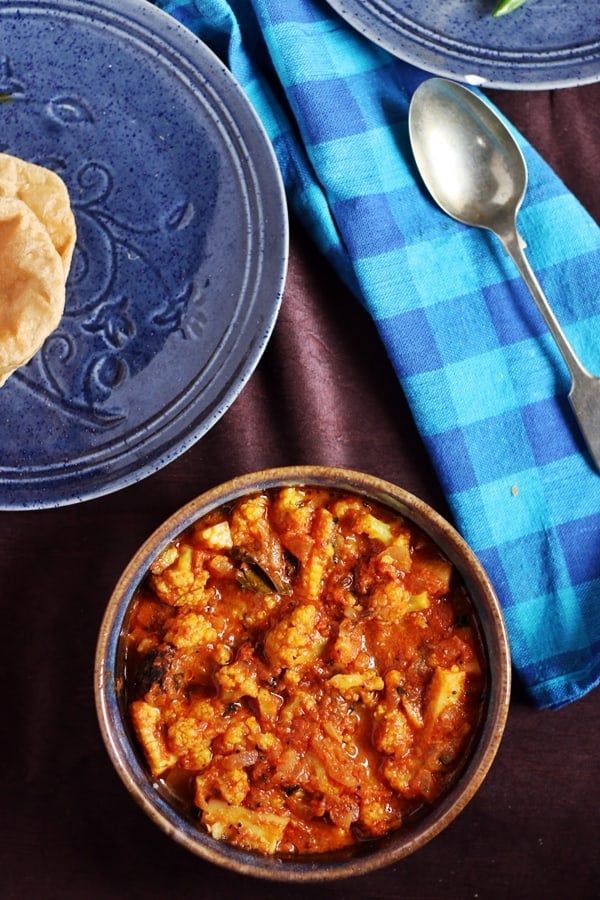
(181,254)
(543,44)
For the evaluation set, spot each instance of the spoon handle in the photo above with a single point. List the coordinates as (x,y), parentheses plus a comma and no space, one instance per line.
(514,247)
(584,395)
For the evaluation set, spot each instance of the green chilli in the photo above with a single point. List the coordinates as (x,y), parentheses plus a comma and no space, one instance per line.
(507,6)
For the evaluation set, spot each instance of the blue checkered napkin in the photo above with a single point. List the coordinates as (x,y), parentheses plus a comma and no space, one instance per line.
(485,382)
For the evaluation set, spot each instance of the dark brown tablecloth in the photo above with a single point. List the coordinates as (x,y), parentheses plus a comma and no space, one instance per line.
(323,393)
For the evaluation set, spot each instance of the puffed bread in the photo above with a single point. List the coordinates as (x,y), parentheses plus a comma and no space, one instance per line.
(46,194)
(32,285)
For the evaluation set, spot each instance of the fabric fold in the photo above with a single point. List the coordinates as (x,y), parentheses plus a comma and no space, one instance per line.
(484,380)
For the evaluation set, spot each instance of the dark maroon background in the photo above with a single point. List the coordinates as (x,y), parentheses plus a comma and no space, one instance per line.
(323,393)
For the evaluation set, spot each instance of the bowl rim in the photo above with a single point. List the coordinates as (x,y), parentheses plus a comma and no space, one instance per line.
(397,845)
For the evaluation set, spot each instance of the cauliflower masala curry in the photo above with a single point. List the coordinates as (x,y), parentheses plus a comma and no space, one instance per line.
(303,670)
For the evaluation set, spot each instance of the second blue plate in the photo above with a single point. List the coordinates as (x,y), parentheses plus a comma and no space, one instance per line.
(542,44)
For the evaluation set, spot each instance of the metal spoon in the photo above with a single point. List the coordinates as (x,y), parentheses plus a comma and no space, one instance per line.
(476,173)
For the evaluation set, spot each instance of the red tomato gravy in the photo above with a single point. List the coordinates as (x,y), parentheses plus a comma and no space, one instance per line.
(303,670)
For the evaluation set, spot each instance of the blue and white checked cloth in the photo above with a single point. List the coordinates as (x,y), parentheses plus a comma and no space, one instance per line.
(483,378)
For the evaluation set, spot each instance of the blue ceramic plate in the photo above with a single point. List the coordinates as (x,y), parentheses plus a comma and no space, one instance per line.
(181,254)
(542,44)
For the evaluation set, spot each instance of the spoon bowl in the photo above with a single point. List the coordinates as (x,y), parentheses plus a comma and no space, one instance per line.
(475,171)
(447,130)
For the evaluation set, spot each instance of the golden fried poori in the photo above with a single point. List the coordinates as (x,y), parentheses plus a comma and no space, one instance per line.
(46,194)
(37,240)
(32,285)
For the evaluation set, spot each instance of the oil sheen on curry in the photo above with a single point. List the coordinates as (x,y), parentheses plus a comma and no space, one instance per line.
(304,671)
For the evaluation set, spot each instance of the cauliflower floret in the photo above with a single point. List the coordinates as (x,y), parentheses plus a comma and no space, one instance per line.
(397,556)
(240,679)
(232,785)
(191,741)
(204,710)
(189,630)
(215,537)
(268,742)
(374,528)
(445,690)
(291,510)
(410,778)
(294,641)
(183,582)
(349,642)
(149,728)
(269,704)
(348,508)
(240,735)
(312,573)
(255,616)
(249,828)
(393,734)
(391,601)
(376,817)
(399,776)
(301,702)
(358,685)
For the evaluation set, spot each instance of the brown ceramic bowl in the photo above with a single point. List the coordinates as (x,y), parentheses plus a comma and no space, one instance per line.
(366,856)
